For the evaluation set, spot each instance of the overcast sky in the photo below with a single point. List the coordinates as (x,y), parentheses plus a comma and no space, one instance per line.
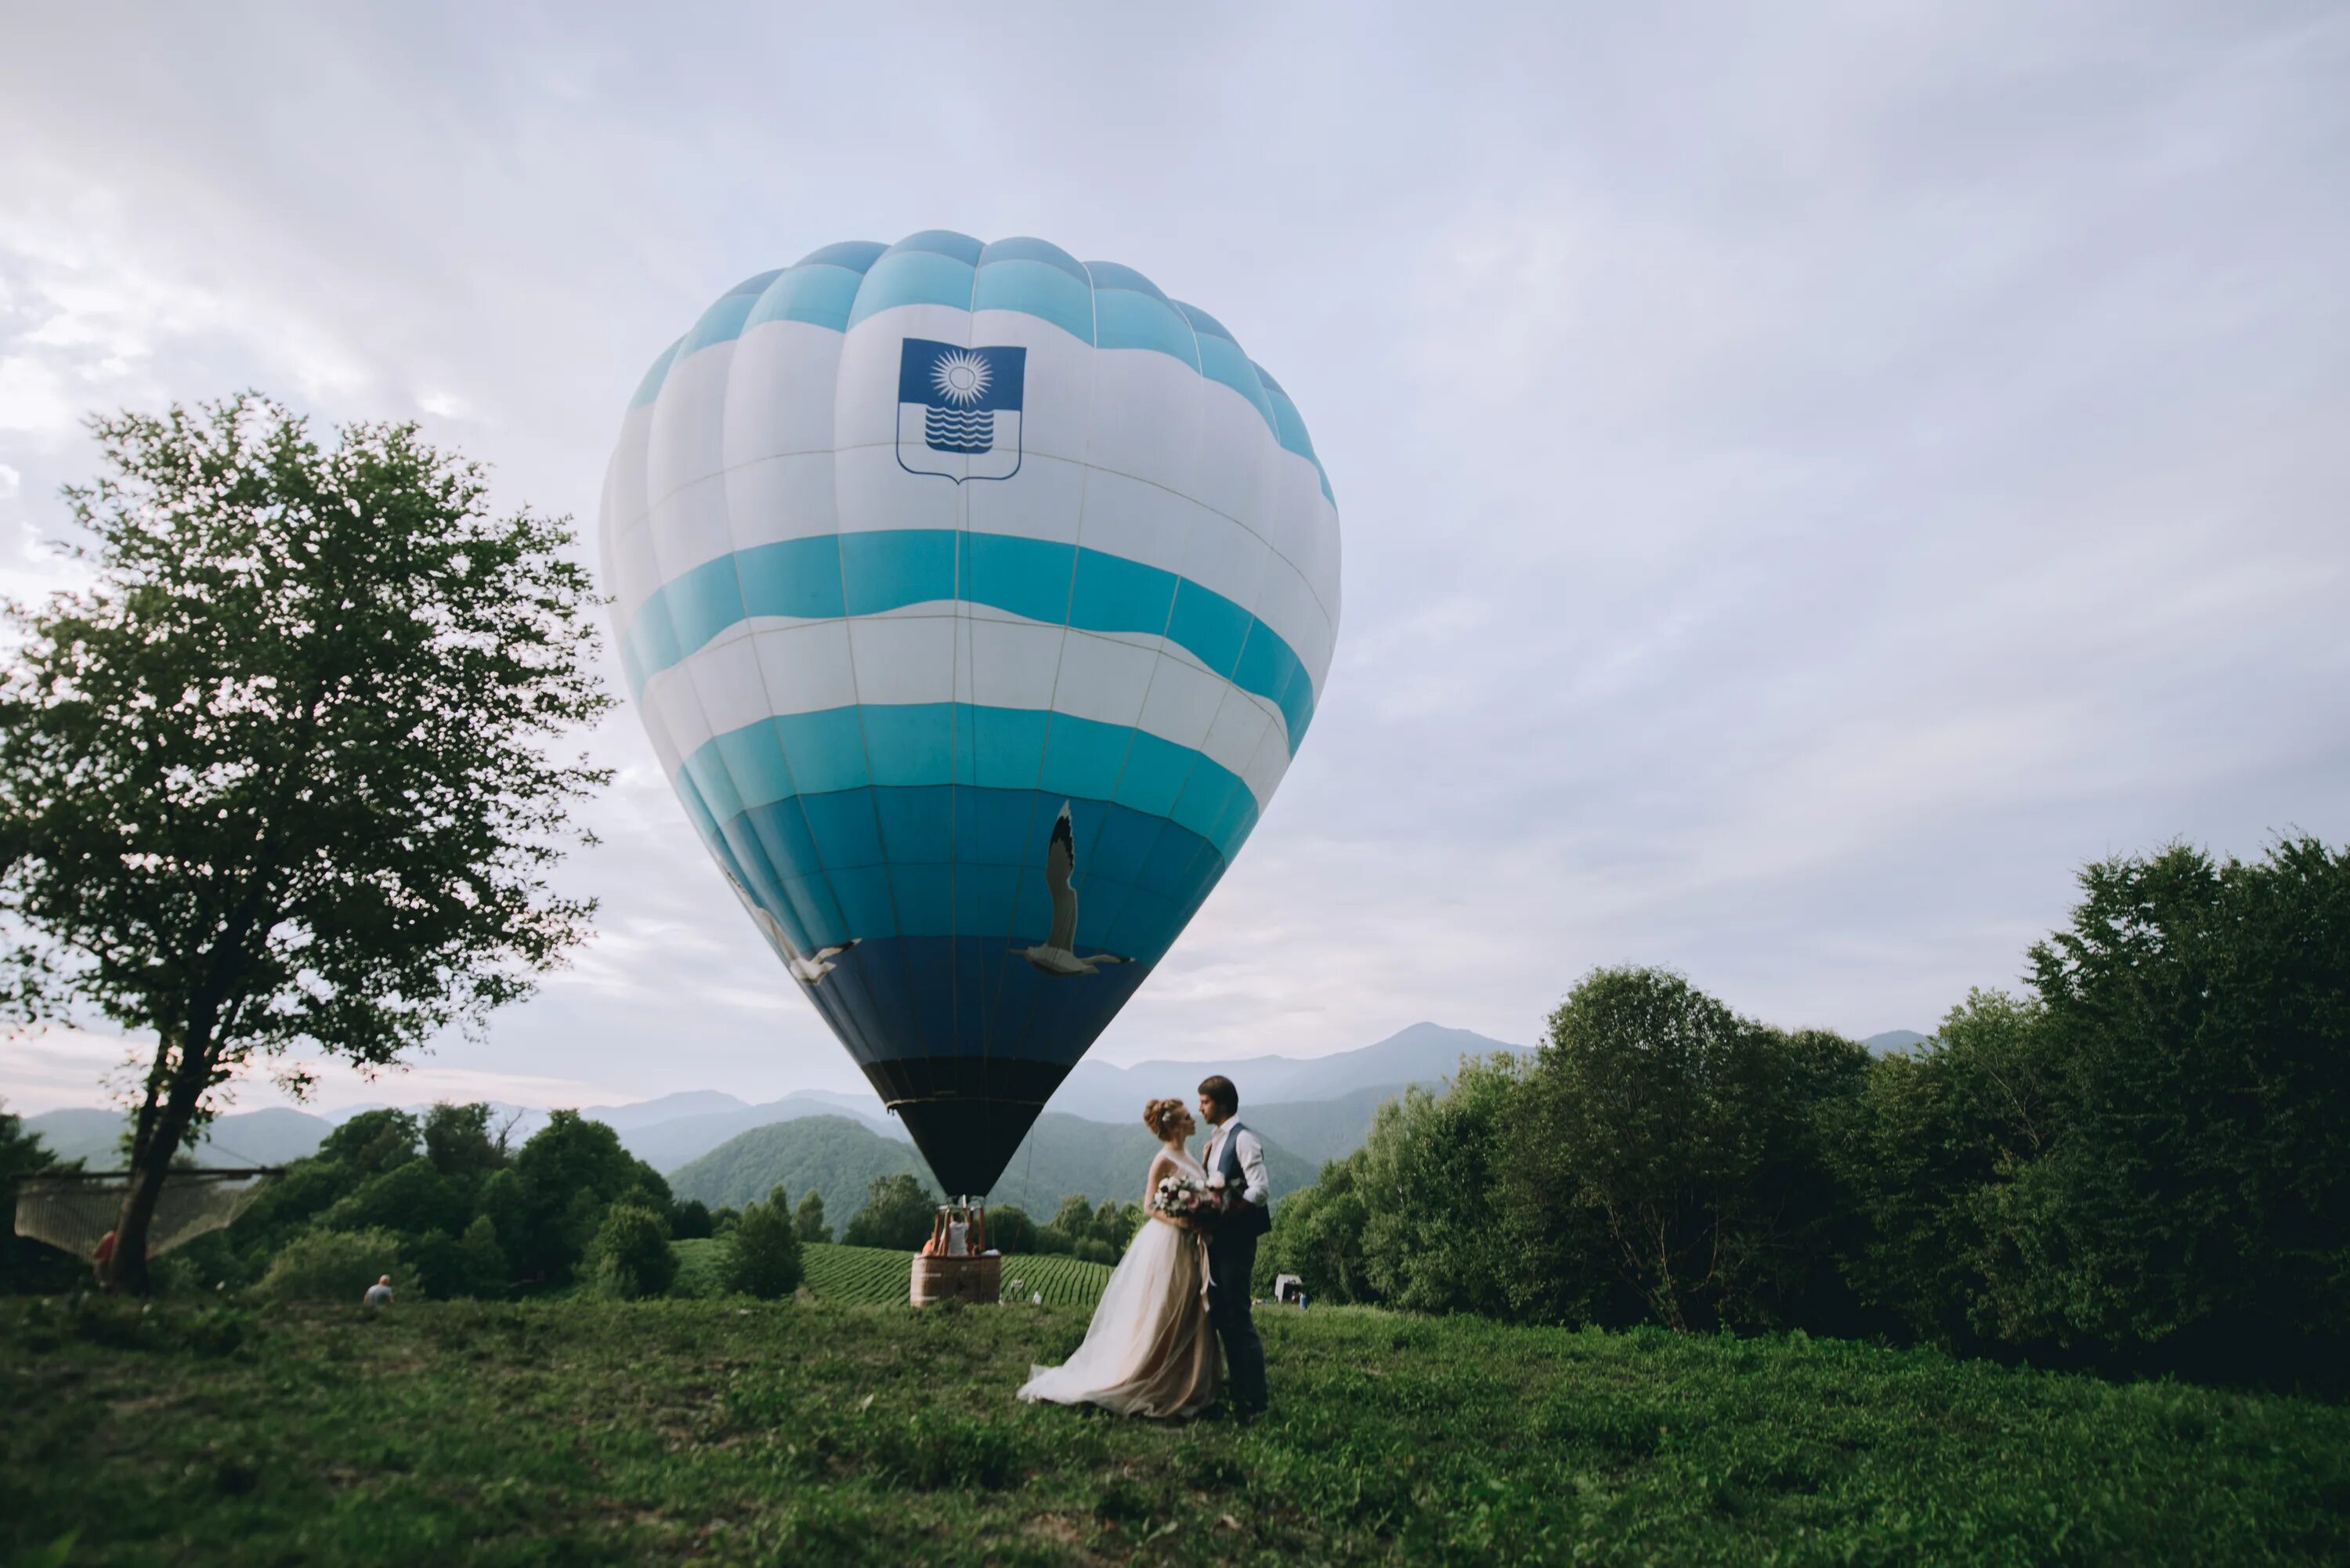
(1808,485)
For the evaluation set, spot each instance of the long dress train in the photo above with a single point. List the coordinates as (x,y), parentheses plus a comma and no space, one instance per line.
(1148,1350)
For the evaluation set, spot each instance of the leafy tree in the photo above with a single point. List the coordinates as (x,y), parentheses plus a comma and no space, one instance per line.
(762,1257)
(278,775)
(1009,1230)
(459,1142)
(630,1255)
(371,1143)
(1074,1216)
(1094,1250)
(1685,1137)
(413,1199)
(898,1214)
(690,1221)
(1436,1235)
(723,1219)
(2195,1193)
(1921,1148)
(1317,1235)
(1053,1239)
(564,1178)
(1115,1223)
(810,1219)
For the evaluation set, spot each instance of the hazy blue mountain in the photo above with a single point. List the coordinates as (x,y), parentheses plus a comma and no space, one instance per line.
(667,1144)
(92,1136)
(1425,1054)
(1894,1039)
(271,1137)
(1319,1130)
(668,1108)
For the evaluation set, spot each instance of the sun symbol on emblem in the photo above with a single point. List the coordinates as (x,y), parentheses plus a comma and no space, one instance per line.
(961,377)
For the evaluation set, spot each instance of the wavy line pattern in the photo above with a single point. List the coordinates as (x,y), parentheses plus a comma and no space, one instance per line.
(948,429)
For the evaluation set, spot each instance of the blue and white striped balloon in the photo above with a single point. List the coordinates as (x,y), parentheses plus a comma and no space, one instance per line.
(975,598)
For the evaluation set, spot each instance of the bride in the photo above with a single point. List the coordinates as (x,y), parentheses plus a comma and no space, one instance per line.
(1148,1351)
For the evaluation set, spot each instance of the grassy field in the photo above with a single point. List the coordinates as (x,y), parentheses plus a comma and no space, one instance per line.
(794,1433)
(876,1276)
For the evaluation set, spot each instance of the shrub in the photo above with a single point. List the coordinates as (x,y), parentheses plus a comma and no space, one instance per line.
(630,1255)
(1094,1250)
(763,1254)
(690,1221)
(809,1220)
(482,1266)
(337,1266)
(1053,1239)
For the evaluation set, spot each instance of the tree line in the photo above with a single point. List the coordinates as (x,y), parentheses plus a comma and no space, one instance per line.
(442,1204)
(2136,1161)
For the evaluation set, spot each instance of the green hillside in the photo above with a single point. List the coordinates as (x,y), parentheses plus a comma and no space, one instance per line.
(728,1431)
(836,1155)
(840,1157)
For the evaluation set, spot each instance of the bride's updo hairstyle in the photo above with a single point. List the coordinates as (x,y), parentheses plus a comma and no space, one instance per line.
(1162,1117)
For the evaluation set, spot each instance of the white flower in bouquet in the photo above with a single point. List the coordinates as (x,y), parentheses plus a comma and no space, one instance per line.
(1179,1196)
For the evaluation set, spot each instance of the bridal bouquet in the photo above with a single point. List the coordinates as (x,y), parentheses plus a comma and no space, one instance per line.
(1181,1197)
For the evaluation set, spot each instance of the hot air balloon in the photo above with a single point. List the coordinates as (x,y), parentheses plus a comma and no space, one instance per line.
(975,600)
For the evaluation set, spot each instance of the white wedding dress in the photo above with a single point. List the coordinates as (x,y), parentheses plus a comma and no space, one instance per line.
(1148,1350)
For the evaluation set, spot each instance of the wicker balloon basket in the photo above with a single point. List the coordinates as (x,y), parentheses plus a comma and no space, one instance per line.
(978,1280)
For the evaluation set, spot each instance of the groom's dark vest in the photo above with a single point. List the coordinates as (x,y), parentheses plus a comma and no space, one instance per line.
(1246,1218)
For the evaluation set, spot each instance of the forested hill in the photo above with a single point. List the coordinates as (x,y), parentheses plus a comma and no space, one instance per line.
(835,1156)
(839,1159)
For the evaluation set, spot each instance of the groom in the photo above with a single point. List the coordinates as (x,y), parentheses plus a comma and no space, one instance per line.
(1235,1163)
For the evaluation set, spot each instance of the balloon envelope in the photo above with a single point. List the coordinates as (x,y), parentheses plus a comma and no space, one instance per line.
(976,599)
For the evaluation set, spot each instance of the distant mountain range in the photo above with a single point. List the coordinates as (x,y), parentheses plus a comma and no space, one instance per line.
(719,1147)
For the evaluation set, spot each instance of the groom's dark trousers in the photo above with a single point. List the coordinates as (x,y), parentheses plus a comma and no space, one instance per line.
(1232,1263)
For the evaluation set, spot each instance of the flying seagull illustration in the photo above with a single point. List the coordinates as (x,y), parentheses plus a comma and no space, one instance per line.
(814,967)
(806,971)
(1057,954)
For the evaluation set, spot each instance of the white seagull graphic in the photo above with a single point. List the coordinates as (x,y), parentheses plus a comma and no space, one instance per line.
(806,971)
(1057,954)
(814,967)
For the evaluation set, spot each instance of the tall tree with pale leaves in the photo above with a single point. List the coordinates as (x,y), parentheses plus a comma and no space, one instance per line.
(287,771)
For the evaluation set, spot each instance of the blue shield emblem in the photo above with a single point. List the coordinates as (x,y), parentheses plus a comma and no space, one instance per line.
(959,409)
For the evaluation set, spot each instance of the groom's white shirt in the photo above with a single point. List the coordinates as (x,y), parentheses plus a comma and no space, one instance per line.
(1258,1187)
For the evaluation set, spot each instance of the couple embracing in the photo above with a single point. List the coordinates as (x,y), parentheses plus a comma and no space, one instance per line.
(1183,1283)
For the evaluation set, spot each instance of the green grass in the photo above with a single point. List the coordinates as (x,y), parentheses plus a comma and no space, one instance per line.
(730,1431)
(877,1276)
